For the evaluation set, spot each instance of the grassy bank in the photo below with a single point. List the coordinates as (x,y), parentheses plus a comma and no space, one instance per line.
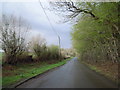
(0,57)
(107,69)
(13,74)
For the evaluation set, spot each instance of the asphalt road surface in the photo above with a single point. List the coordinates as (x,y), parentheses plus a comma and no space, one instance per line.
(71,75)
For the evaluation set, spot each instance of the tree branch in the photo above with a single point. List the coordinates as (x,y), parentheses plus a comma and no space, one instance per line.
(73,8)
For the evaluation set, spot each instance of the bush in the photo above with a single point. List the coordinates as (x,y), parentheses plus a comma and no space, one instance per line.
(24,58)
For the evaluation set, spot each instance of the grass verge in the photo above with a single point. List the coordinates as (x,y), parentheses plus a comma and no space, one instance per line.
(14,74)
(0,57)
(106,69)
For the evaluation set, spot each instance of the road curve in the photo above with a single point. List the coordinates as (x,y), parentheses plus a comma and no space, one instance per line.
(71,75)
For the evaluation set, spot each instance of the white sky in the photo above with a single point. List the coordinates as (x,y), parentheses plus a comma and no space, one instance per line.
(33,13)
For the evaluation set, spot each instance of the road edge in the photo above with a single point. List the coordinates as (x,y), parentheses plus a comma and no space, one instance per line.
(25,80)
(100,74)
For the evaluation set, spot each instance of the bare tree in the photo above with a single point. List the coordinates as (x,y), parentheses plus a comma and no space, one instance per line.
(13,37)
(38,46)
(73,9)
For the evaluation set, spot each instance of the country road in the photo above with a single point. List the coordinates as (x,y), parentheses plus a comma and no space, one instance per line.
(71,75)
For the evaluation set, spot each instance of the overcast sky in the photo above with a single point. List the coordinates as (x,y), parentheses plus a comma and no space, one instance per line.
(33,13)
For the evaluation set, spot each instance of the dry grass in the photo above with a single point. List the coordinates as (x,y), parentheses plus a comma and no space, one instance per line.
(108,69)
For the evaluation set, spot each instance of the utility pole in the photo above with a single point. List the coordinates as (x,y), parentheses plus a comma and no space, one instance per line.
(59,47)
(59,39)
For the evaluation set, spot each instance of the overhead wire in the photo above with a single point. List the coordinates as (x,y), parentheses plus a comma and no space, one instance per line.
(48,19)
(50,23)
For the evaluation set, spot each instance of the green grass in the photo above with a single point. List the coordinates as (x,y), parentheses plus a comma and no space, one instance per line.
(0,58)
(0,68)
(27,71)
(94,68)
(0,55)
